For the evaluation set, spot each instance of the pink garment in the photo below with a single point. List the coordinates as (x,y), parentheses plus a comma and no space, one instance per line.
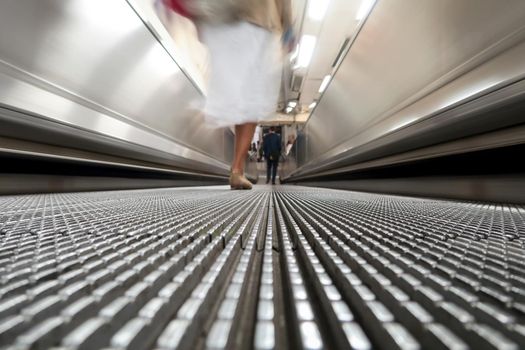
(178,6)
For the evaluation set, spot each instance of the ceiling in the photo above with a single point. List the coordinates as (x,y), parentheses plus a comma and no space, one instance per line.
(332,32)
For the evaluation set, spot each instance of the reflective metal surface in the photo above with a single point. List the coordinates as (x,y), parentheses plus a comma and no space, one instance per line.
(94,68)
(282,267)
(419,73)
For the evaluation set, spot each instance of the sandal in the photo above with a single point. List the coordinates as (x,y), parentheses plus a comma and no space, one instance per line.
(239,182)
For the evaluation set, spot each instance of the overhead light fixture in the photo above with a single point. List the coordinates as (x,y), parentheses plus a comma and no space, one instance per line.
(324,84)
(289,110)
(306,50)
(364,9)
(312,105)
(292,104)
(317,9)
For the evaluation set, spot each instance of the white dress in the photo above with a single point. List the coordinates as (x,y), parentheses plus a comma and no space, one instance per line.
(245,77)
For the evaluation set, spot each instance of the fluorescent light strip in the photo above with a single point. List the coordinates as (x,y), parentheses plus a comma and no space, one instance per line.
(317,9)
(306,50)
(312,105)
(324,84)
(364,9)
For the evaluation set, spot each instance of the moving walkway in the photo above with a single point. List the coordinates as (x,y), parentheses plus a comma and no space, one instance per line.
(398,222)
(276,267)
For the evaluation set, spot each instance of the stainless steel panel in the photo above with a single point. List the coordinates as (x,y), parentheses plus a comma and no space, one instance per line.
(176,268)
(417,61)
(26,183)
(94,66)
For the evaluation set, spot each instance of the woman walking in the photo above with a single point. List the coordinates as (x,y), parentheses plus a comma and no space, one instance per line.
(243,39)
(246,64)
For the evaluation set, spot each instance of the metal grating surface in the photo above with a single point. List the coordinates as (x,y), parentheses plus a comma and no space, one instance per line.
(288,268)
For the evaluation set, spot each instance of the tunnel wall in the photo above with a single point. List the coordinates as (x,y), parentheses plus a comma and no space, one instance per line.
(419,73)
(93,74)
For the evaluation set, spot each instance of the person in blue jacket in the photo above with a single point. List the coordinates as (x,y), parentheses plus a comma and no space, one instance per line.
(272,153)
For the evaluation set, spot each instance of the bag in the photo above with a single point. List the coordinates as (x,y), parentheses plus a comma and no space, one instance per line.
(215,11)
(178,6)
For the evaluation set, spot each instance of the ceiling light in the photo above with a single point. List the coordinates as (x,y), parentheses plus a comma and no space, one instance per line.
(292,104)
(306,50)
(312,105)
(317,9)
(364,9)
(324,84)
(289,109)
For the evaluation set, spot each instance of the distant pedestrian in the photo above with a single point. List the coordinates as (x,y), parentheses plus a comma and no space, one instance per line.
(272,153)
(260,152)
(289,144)
(252,153)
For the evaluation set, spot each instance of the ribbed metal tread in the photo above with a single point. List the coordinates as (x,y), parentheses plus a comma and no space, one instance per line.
(283,267)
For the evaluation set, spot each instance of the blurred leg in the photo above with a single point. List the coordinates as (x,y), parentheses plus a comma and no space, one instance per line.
(274,170)
(243,138)
(268,170)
